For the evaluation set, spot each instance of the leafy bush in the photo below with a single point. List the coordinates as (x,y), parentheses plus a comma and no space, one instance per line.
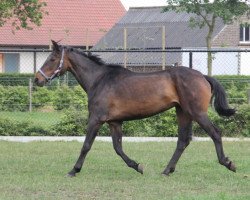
(15,79)
(14,98)
(236,87)
(62,98)
(72,123)
(42,96)
(233,126)
(10,127)
(160,125)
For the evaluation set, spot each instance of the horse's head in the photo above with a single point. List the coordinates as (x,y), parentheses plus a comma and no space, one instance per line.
(55,65)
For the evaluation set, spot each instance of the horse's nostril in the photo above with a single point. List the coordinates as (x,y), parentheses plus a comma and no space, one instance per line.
(36,80)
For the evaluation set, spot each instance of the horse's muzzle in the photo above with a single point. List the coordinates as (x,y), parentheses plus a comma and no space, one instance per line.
(39,83)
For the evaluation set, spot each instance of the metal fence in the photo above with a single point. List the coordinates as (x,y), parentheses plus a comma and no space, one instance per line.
(21,101)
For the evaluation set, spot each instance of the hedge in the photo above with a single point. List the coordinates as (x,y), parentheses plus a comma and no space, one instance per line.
(16,98)
(74,123)
(73,98)
(22,79)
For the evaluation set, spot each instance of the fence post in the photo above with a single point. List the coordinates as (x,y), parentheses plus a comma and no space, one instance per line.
(35,62)
(163,47)
(125,46)
(190,59)
(30,95)
(248,95)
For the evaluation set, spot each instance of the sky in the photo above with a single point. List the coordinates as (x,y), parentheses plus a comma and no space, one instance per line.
(143,3)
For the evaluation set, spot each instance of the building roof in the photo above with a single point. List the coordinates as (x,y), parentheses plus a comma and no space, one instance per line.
(144,30)
(75,22)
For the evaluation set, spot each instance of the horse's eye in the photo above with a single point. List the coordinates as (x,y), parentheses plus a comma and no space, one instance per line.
(52,59)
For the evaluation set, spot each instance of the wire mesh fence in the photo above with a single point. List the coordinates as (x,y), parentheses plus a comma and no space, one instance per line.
(61,107)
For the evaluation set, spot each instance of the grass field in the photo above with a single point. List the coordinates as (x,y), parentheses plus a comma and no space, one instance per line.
(37,171)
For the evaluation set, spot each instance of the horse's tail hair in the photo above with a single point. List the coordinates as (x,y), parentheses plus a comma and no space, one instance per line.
(220,98)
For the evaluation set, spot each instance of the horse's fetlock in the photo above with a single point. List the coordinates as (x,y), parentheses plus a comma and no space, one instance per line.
(77,169)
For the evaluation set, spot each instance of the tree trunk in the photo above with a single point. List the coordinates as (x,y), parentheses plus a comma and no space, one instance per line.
(209,46)
(209,54)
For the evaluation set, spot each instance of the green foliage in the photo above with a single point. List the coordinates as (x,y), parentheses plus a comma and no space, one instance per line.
(227,10)
(41,96)
(72,101)
(22,13)
(160,125)
(232,126)
(13,98)
(62,98)
(15,79)
(72,123)
(16,98)
(236,88)
(11,127)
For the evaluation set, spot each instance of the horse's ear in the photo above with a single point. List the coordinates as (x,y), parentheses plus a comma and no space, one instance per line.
(55,45)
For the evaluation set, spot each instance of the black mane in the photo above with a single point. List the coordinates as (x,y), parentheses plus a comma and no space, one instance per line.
(95,58)
(90,56)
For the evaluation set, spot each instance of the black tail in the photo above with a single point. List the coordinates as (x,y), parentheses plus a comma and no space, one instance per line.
(220,99)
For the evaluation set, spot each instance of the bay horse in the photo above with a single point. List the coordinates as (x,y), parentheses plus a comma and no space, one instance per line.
(116,94)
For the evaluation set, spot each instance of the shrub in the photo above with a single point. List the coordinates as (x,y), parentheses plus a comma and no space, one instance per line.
(72,123)
(233,126)
(15,79)
(42,96)
(14,98)
(160,125)
(10,127)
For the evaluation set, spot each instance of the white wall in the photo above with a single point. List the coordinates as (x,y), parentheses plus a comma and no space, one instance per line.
(224,63)
(27,61)
(40,59)
(245,63)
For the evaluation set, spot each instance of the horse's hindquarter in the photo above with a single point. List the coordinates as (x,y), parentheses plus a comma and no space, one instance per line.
(193,90)
(141,95)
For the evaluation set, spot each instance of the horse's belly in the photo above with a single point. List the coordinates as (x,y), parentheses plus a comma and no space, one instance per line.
(136,109)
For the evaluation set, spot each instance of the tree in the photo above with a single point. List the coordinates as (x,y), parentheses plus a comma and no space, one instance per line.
(207,13)
(21,13)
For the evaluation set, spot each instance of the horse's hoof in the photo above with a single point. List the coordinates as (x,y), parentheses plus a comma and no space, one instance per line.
(232,166)
(140,168)
(71,175)
(168,171)
(164,174)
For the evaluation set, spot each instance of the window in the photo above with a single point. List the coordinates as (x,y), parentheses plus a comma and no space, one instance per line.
(244,33)
(11,62)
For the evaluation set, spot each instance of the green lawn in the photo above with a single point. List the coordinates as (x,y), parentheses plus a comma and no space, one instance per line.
(45,119)
(37,171)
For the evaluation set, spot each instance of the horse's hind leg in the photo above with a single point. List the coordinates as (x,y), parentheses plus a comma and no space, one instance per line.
(184,137)
(116,132)
(215,134)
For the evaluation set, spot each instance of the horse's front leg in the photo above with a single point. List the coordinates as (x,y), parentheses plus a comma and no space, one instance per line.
(92,130)
(116,132)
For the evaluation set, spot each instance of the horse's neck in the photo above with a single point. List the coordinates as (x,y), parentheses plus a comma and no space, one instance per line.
(86,71)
